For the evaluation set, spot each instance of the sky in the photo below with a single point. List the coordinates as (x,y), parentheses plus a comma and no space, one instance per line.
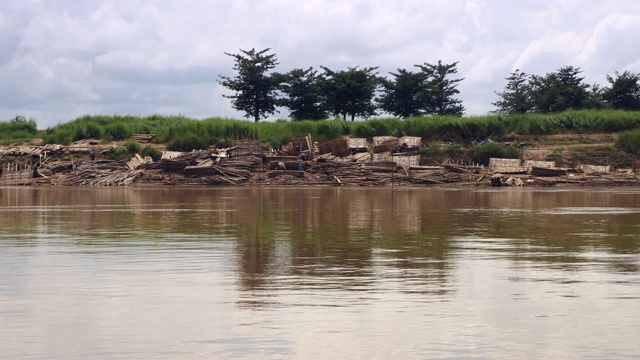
(62,59)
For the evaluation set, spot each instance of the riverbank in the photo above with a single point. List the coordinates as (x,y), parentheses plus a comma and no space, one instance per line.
(546,161)
(198,168)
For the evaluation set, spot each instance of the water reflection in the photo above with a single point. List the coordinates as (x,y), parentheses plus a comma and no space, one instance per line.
(248,271)
(350,234)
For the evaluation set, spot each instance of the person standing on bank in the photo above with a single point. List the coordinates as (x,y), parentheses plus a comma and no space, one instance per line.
(300,164)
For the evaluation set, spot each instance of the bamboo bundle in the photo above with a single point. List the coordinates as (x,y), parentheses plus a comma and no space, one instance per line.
(388,145)
(53,148)
(469,169)
(406,160)
(24,151)
(539,171)
(171,155)
(172,165)
(357,144)
(337,147)
(529,164)
(136,161)
(102,174)
(299,145)
(239,164)
(200,170)
(143,138)
(441,176)
(241,147)
(379,140)
(594,168)
(109,147)
(118,178)
(381,166)
(83,145)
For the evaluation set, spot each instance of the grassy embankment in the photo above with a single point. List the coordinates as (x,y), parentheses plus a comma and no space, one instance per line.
(447,136)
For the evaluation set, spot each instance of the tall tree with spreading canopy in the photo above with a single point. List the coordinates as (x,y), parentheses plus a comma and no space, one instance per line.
(255,88)
(440,91)
(624,91)
(302,95)
(350,92)
(559,91)
(515,99)
(402,95)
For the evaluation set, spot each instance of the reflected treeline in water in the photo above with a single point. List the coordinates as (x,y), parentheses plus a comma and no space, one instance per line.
(348,237)
(344,236)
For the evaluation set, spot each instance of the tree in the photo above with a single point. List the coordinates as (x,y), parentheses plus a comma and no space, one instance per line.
(595,97)
(303,97)
(255,89)
(624,92)
(440,90)
(351,92)
(558,91)
(402,95)
(515,99)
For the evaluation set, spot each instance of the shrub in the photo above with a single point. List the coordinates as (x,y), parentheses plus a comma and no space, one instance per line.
(437,152)
(187,142)
(117,131)
(119,153)
(629,141)
(152,152)
(482,153)
(132,146)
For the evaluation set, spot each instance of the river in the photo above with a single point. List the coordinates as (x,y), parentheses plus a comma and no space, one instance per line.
(319,273)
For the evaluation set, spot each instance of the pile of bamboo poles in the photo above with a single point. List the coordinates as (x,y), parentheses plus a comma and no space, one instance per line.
(102,174)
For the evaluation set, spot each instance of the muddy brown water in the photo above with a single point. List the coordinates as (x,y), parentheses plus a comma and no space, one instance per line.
(318,273)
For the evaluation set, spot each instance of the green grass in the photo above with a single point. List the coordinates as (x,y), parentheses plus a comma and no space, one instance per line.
(629,141)
(180,132)
(18,130)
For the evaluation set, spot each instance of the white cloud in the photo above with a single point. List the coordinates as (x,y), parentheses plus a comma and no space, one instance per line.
(63,59)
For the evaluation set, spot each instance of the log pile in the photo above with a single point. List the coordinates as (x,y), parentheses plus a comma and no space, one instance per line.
(113,173)
(177,161)
(222,171)
(351,173)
